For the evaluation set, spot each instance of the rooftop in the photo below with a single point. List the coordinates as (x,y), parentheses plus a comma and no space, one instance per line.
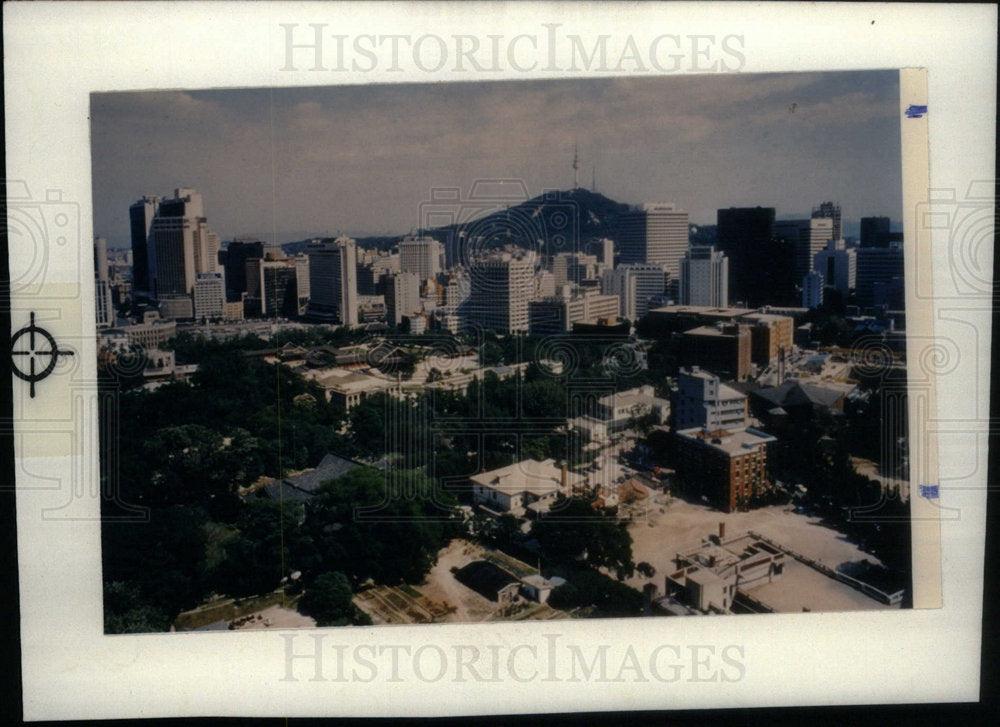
(531,476)
(703,310)
(795,392)
(733,442)
(709,331)
(485,578)
(347,381)
(765,317)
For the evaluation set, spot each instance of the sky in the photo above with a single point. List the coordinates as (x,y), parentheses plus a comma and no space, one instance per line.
(284,163)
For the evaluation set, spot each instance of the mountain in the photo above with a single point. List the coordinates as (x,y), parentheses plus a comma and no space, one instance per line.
(557,218)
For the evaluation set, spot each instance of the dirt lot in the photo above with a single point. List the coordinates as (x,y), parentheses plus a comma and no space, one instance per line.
(276,617)
(441,598)
(681,525)
(440,584)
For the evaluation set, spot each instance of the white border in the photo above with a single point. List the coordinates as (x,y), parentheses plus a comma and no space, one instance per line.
(57,53)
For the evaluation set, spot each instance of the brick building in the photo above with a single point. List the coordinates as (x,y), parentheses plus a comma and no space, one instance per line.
(729,467)
(723,349)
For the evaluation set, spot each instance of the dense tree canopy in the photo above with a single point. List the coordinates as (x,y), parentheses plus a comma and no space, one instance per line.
(574,531)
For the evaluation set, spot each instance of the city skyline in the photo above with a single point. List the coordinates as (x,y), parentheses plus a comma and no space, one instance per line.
(359,160)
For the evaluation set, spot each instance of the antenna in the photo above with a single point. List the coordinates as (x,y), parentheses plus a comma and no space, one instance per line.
(593,178)
(576,167)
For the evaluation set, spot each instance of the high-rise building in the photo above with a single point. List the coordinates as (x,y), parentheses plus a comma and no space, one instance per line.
(278,287)
(302,280)
(636,285)
(501,288)
(812,290)
(209,296)
(421,256)
(607,250)
(760,271)
(573,267)
(545,285)
(141,214)
(838,266)
(829,211)
(104,306)
(874,231)
(101,258)
(182,244)
(402,297)
(558,314)
(880,277)
(657,234)
(333,283)
(704,278)
(808,237)
(237,253)
(702,400)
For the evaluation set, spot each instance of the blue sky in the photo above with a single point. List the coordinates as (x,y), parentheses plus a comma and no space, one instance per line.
(360,159)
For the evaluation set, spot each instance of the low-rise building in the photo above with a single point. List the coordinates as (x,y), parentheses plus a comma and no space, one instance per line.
(771,336)
(526,485)
(723,349)
(709,577)
(703,400)
(728,467)
(348,388)
(617,412)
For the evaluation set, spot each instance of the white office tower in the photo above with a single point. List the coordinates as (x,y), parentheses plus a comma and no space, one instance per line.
(657,234)
(704,277)
(831,211)
(702,400)
(402,297)
(209,296)
(809,237)
(607,247)
(105,312)
(812,290)
(838,266)
(545,285)
(635,284)
(456,292)
(182,244)
(101,258)
(104,305)
(420,256)
(573,267)
(302,278)
(333,281)
(502,286)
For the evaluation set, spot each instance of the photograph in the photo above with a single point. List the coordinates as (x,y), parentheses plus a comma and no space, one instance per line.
(430,360)
(531,350)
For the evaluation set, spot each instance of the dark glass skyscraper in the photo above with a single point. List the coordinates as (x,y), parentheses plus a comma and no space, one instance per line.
(761,269)
(874,232)
(141,214)
(237,254)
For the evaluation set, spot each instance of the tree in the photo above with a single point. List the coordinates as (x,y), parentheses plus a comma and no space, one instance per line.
(258,558)
(328,600)
(588,588)
(128,611)
(162,559)
(574,531)
(367,421)
(367,527)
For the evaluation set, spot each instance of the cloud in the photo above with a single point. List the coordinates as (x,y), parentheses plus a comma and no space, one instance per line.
(362,157)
